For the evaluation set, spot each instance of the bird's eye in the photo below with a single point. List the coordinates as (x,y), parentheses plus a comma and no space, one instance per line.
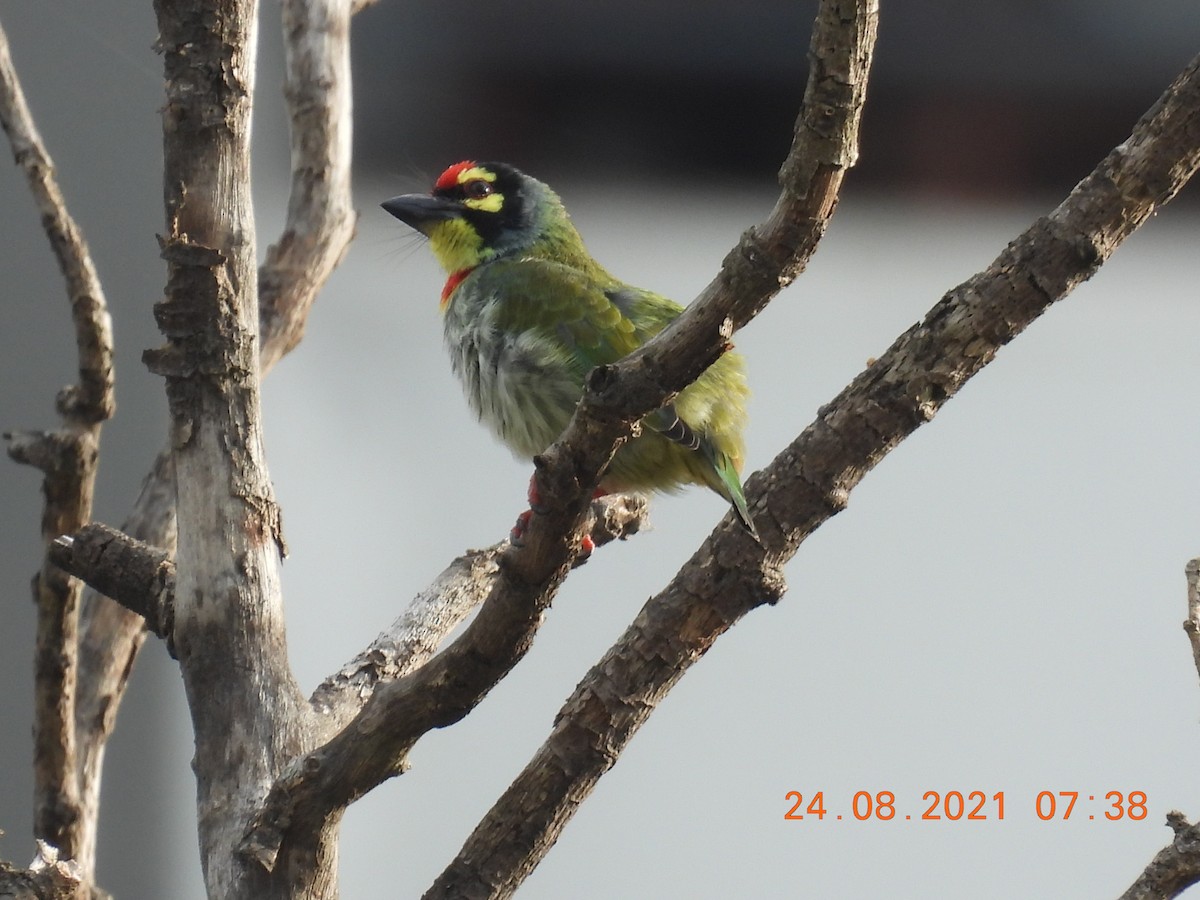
(477,189)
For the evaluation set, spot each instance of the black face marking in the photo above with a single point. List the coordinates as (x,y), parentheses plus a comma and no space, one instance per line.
(508,227)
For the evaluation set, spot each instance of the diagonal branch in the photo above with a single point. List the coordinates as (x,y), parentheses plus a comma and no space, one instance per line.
(401,653)
(375,744)
(811,479)
(67,458)
(1174,869)
(415,636)
(766,260)
(142,579)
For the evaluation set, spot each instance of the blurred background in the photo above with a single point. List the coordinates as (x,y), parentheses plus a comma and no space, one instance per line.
(997,610)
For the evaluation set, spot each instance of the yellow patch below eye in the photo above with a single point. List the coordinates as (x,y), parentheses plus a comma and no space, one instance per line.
(491,203)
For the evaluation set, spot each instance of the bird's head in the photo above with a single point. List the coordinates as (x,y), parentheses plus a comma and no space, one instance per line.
(480,211)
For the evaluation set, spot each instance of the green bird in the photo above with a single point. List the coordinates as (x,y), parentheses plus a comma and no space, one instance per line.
(528,313)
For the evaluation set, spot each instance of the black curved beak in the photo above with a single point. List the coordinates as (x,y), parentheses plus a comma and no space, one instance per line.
(419,211)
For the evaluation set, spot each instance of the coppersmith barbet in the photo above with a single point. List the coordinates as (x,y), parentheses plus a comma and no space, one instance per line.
(528,313)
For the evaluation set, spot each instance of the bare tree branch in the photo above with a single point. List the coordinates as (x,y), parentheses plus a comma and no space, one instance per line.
(49,877)
(1174,869)
(319,225)
(67,459)
(139,577)
(92,400)
(375,744)
(320,216)
(415,636)
(1191,625)
(245,704)
(766,259)
(811,479)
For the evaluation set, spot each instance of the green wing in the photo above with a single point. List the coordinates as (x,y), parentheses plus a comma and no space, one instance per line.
(570,310)
(586,322)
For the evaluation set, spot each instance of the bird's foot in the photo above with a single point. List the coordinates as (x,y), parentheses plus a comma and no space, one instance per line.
(517,538)
(517,535)
(586,546)
(534,496)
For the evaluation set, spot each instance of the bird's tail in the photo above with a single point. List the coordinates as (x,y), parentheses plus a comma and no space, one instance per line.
(731,489)
(720,473)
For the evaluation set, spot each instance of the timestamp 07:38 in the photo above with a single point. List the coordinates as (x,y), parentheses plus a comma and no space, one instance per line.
(969,806)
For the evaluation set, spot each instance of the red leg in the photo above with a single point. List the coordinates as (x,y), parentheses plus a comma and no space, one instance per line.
(533,495)
(517,535)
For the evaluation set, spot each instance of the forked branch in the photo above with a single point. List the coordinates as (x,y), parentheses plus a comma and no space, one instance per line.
(811,479)
(318,228)
(375,744)
(67,458)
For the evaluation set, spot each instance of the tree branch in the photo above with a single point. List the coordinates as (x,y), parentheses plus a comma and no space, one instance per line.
(319,225)
(67,459)
(91,401)
(1175,868)
(320,217)
(375,744)
(139,577)
(247,713)
(415,636)
(49,877)
(766,259)
(1191,625)
(811,479)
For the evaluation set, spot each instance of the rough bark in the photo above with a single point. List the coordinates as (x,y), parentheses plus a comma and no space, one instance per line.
(319,226)
(49,877)
(1174,869)
(255,734)
(247,713)
(139,577)
(68,460)
(375,744)
(811,479)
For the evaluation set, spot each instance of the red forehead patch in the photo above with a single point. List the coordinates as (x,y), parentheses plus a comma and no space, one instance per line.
(449,178)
